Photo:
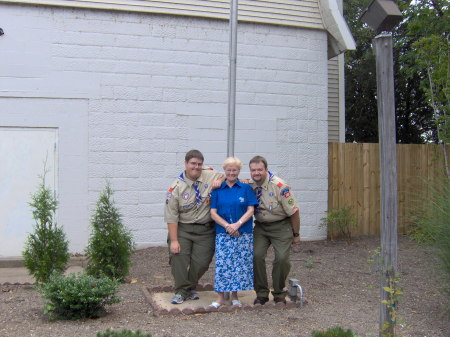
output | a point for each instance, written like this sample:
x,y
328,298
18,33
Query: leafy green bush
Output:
x,y
46,250
333,332
432,226
110,244
78,295
123,333
340,221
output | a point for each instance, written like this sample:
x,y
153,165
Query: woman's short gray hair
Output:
x,y
232,161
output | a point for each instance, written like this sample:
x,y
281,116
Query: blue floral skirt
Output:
x,y
234,262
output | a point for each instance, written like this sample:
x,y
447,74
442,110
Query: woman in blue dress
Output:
x,y
232,208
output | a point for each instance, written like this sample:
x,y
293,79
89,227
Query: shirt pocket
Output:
x,y
186,205
273,206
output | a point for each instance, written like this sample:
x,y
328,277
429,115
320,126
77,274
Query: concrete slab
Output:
x,y
19,275
159,300
12,270
162,299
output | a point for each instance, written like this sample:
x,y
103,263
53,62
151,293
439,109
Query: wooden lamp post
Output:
x,y
383,16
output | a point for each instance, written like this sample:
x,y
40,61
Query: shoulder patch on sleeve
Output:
x,y
285,192
169,192
173,186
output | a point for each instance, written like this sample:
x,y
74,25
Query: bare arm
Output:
x,y
248,214
173,237
217,218
244,218
295,223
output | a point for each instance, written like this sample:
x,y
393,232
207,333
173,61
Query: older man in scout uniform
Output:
x,y
277,224
191,232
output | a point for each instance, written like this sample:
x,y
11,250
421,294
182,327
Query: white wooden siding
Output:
x,y
333,100
298,13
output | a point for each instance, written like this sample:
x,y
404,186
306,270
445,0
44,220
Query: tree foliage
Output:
x,y
431,226
46,249
111,243
415,117
428,29
78,296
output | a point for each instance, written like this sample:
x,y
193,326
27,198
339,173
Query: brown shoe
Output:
x,y
261,300
280,300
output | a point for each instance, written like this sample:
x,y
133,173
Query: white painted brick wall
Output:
x,y
157,87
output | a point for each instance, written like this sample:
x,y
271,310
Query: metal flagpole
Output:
x,y
232,85
232,77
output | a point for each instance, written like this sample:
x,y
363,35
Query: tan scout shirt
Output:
x,y
277,200
180,199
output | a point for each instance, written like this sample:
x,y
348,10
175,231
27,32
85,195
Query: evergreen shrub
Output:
x,y
78,295
46,249
110,244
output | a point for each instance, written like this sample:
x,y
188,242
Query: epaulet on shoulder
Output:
x,y
173,185
278,182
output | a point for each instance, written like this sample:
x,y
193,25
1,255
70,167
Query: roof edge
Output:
x,y
340,38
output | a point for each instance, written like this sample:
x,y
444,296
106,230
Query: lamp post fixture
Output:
x,y
382,16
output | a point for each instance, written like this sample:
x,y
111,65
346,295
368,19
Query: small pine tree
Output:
x,y
46,250
78,296
110,244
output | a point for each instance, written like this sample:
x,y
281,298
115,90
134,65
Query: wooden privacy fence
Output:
x,y
354,180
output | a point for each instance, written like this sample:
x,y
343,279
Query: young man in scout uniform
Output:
x,y
277,224
191,232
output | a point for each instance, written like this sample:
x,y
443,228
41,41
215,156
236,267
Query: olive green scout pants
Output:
x,y
197,250
279,235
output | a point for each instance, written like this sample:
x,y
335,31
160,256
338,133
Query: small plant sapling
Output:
x,y
111,243
340,222
46,249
